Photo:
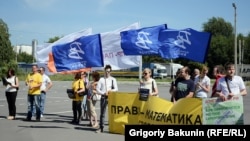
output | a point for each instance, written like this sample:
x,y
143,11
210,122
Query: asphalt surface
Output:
x,y
58,113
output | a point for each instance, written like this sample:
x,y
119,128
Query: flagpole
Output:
x,y
140,66
171,71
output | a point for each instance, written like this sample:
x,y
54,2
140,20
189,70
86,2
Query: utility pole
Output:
x,y
235,41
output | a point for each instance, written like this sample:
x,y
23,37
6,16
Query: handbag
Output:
x,y
96,97
70,93
17,88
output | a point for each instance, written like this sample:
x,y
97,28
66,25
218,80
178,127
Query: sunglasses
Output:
x,y
145,73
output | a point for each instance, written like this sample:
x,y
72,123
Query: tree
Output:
x,y
6,51
24,57
52,40
7,54
222,42
246,49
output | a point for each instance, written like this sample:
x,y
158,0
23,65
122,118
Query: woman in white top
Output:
x,y
11,82
149,83
202,84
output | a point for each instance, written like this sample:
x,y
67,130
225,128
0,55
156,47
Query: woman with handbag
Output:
x,y
147,82
78,88
11,82
92,98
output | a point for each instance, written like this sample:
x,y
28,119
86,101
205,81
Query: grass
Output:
x,y
70,77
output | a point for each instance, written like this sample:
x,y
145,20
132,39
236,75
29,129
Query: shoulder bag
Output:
x,y
81,93
228,85
70,93
17,88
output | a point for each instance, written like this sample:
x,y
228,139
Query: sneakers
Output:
x,y
100,130
95,125
10,117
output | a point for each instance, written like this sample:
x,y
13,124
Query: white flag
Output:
x,y
113,53
42,51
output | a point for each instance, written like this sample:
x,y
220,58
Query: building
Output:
x,y
26,48
23,48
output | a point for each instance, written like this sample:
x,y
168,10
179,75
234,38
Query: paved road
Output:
x,y
55,123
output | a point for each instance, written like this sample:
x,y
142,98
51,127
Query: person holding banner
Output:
x,y
218,72
149,83
202,84
105,86
230,85
184,87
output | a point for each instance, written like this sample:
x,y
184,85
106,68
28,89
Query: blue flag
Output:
x,y
143,41
187,43
84,52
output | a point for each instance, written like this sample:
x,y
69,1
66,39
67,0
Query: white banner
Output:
x,y
113,53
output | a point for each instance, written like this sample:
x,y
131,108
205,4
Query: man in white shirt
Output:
x,y
230,85
46,85
105,85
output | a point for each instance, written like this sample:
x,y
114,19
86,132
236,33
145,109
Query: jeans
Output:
x,y
34,102
103,106
84,105
43,98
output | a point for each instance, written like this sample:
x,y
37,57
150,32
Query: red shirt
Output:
x,y
215,83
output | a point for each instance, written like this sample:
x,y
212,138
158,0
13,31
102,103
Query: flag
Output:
x,y
142,41
113,53
186,43
42,51
84,52
42,54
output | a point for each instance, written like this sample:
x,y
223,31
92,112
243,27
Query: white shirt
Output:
x,y
149,84
236,85
12,81
46,80
199,92
105,84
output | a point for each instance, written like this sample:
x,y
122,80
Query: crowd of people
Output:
x,y
87,93
198,85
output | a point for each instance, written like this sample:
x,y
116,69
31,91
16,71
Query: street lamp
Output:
x,y
235,41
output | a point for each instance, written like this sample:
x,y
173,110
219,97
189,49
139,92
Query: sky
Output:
x,y
41,20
